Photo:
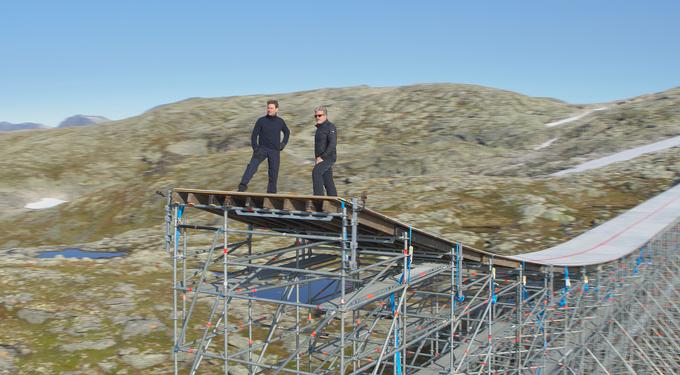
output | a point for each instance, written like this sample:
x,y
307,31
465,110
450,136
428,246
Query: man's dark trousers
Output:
x,y
273,158
322,175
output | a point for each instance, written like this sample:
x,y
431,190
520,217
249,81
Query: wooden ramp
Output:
x,y
281,212
286,212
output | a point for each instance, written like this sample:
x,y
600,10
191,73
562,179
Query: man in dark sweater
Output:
x,y
266,143
325,140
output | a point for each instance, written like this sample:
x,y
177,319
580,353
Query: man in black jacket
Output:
x,y
325,140
266,143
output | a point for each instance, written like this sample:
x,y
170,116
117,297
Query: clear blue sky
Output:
x,y
119,58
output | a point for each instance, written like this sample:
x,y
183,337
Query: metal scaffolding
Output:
x,y
305,285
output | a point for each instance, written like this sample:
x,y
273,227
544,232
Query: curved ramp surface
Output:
x,y
615,238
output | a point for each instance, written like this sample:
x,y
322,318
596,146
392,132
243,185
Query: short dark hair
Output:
x,y
272,101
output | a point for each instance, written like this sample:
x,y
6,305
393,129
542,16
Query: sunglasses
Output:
x,y
319,115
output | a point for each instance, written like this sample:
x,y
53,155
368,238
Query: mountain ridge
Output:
x,y
8,126
82,120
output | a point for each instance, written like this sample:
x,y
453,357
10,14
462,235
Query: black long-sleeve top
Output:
x,y
267,133
325,141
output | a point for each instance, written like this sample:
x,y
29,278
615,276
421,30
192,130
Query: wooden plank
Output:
x,y
500,262
288,204
238,201
418,238
231,202
249,202
201,198
267,203
295,204
376,224
216,200
191,199
256,202
261,195
273,203
330,207
310,205
179,198
471,255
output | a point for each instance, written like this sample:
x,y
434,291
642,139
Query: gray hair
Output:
x,y
321,109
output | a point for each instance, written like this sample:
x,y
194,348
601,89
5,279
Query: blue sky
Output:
x,y
119,58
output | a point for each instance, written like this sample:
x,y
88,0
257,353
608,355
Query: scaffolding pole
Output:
x,y
291,292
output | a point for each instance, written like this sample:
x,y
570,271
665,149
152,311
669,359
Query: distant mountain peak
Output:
x,y
82,120
8,126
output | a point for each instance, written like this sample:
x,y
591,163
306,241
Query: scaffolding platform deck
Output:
x,y
380,289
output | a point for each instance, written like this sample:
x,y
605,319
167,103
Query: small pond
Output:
x,y
78,253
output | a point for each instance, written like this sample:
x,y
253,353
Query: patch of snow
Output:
x,y
622,156
573,118
545,144
44,203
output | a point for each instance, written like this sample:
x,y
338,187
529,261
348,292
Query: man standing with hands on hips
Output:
x,y
325,141
266,143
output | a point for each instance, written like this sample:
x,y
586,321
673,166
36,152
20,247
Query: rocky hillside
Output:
x,y
467,161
